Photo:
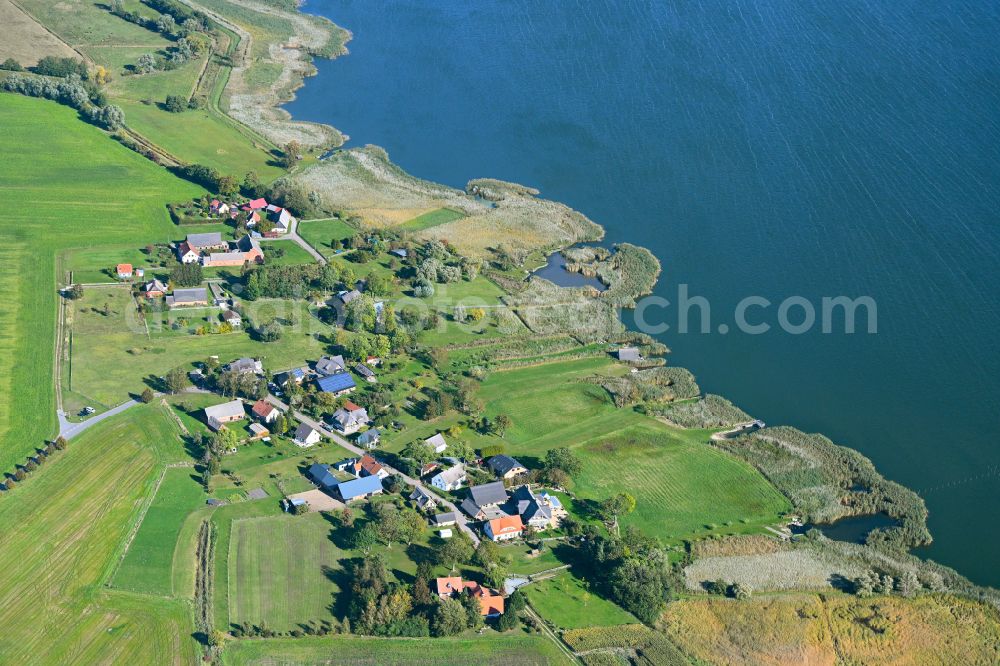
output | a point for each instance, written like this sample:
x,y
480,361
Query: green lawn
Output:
x,y
683,487
565,601
64,531
490,649
320,233
118,198
147,566
277,570
291,253
431,219
113,356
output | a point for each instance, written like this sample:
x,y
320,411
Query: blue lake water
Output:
x,y
761,147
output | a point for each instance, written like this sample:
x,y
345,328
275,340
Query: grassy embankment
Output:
x,y
73,187
519,649
64,532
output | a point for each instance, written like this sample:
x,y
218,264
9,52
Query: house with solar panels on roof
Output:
x,y
339,384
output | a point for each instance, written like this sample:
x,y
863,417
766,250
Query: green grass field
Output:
x,y
431,219
44,145
490,650
292,253
148,564
64,530
203,137
113,356
277,570
319,233
683,487
565,601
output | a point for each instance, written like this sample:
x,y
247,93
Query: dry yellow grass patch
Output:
x,y
809,629
936,629
776,630
389,217
25,40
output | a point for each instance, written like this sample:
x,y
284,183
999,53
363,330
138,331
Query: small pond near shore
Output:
x,y
555,271
853,529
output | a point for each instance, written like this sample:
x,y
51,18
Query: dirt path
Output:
x,y
551,634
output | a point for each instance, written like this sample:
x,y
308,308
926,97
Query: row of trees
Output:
x,y
33,462
71,92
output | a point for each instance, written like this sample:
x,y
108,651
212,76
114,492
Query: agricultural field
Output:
x,y
287,569
90,27
34,42
565,601
70,208
431,219
490,650
795,629
683,486
148,563
278,571
82,505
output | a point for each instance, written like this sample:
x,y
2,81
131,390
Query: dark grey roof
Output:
x,y
442,518
303,431
488,493
329,365
190,295
205,240
524,503
502,464
469,507
349,296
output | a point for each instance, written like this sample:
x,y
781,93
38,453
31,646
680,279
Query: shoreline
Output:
x,y
301,82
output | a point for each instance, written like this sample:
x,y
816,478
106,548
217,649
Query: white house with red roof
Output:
x,y
265,411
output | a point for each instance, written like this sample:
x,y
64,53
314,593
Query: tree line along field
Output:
x,y
118,198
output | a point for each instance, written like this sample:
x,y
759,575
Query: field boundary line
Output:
x,y
551,635
135,528
44,27
180,425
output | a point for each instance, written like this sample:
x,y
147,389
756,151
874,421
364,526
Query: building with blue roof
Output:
x,y
366,486
322,476
337,384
